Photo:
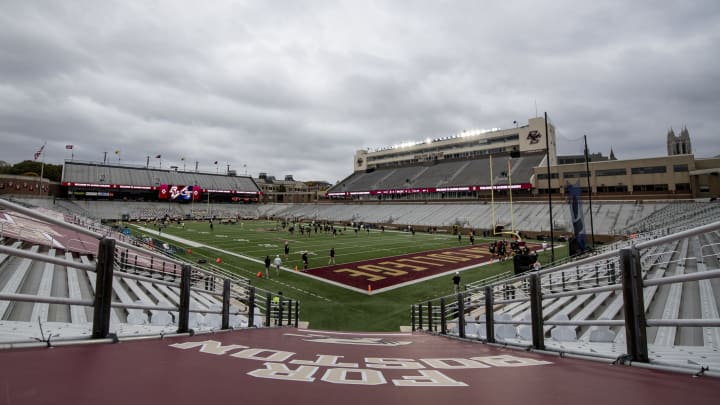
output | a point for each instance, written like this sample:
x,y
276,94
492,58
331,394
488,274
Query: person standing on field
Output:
x,y
267,266
332,256
277,263
305,261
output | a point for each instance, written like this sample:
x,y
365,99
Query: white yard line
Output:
x,y
198,245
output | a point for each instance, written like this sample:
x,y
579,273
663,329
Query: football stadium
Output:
x,y
477,267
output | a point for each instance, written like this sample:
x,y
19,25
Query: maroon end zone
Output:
x,y
395,271
291,366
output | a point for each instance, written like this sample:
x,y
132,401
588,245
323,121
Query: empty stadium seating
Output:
x,y
450,173
587,296
48,293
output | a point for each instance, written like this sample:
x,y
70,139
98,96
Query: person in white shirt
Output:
x,y
277,262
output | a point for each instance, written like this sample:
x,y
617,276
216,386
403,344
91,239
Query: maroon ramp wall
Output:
x,y
274,366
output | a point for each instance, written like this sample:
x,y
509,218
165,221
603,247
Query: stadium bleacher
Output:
x,y
451,173
583,305
93,173
48,293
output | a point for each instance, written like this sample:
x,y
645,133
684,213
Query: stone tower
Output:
x,y
679,145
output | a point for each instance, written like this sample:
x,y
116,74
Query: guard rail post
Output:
x,y
251,307
420,317
268,309
536,315
226,305
412,317
634,305
281,303
184,309
443,318
430,316
297,313
489,315
461,314
103,288
289,312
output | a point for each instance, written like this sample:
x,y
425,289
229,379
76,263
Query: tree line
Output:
x,y
33,168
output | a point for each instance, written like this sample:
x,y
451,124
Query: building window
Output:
x,y
612,189
680,168
574,175
649,170
682,187
650,187
543,176
611,172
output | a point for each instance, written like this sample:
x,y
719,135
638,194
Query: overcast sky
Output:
x,y
296,87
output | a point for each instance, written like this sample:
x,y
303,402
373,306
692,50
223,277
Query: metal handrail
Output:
x,y
107,263
44,258
631,280
85,231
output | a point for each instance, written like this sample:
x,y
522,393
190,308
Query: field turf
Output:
x,y
323,305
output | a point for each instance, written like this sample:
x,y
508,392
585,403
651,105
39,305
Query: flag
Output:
x,y
68,146
39,152
158,156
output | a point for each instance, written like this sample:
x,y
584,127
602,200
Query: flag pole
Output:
x,y
512,216
42,168
492,196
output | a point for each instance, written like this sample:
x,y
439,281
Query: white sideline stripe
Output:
x,y
175,238
345,286
197,245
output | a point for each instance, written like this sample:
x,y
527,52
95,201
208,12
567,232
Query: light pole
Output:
x,y
547,151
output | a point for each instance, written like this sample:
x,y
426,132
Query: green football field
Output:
x,y
323,305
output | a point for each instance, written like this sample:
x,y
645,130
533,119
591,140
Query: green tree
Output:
x,y
33,168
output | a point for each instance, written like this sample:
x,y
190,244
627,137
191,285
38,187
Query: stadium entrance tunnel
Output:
x,y
288,365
